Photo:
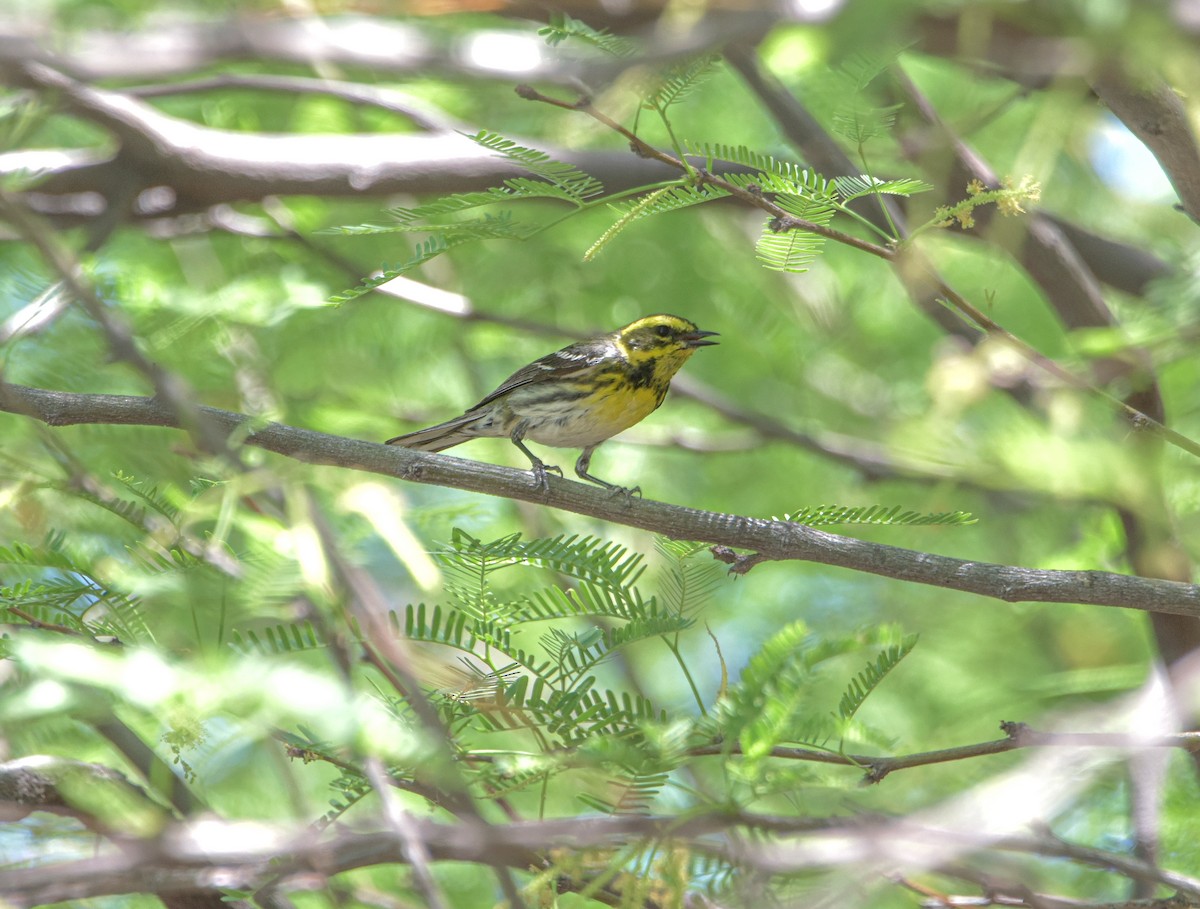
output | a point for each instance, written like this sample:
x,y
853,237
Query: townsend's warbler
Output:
x,y
578,396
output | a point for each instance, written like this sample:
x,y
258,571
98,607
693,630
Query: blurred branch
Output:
x,y
1143,102
422,115
376,43
1054,265
167,167
387,653
189,857
769,540
44,783
1155,114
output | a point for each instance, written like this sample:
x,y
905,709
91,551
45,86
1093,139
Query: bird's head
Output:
x,y
662,334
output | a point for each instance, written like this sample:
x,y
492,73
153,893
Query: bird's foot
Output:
x,y
613,489
627,491
539,471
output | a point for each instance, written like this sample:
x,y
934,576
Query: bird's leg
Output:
x,y
581,471
538,468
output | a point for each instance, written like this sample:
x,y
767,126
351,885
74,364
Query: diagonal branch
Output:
x,y
909,262
768,539
1154,113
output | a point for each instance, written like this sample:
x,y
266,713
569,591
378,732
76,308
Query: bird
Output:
x,y
577,397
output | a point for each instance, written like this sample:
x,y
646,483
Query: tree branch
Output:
x,y
771,540
1018,736
1156,115
183,862
202,166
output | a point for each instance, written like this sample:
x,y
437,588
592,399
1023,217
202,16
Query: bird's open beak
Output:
x,y
696,338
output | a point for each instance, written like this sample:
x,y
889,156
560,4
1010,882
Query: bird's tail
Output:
x,y
444,435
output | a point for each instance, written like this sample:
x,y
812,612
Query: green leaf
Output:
x,y
274,640
790,250
679,81
563,27
869,679
856,117
692,574
148,494
444,238
668,198
632,794
851,188
800,179
822,515
572,181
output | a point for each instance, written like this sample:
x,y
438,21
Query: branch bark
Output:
x,y
200,167
180,862
1156,115
769,540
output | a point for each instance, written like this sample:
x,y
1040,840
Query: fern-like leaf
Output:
x,y
850,188
427,250
512,190
766,706
574,655
822,515
570,179
563,27
856,117
679,81
668,198
49,555
771,703
100,608
608,571
573,717
274,640
791,250
692,575
868,679
584,599
798,176
443,239
629,795
150,495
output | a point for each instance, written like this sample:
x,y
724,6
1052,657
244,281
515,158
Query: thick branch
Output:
x,y
770,540
1156,115
376,44
202,167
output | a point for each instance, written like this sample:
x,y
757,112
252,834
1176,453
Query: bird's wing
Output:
x,y
559,365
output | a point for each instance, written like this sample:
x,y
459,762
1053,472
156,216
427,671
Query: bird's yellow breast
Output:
x,y
609,407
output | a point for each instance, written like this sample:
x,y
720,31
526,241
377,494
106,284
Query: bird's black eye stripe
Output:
x,y
663,331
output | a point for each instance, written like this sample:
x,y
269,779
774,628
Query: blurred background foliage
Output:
x,y
235,302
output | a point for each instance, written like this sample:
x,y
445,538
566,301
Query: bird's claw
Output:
x,y
539,471
627,491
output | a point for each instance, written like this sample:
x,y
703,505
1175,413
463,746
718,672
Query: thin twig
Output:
x,y
1019,736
